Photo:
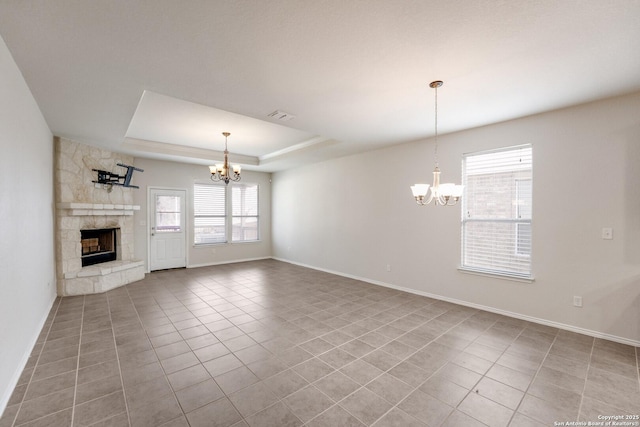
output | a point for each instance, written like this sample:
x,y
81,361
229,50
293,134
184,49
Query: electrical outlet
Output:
x,y
607,233
577,301
388,267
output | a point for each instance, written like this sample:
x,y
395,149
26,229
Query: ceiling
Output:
x,y
162,79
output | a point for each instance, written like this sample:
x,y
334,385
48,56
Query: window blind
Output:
x,y
209,216
244,207
497,211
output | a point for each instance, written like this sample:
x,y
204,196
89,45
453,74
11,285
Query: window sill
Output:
x,y
207,245
504,276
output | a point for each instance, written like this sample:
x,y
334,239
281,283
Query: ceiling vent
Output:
x,y
282,116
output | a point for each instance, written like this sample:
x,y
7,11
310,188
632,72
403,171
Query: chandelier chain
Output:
x,y
436,125
226,136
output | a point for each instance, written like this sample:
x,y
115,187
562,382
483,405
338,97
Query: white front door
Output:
x,y
167,241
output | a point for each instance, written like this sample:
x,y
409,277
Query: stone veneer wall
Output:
x,y
81,204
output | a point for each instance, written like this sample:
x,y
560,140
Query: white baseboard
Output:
x,y
8,391
571,328
209,264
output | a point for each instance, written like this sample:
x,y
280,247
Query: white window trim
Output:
x,y
504,275
228,218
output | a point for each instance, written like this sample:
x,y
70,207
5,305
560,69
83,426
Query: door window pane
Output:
x,y
168,214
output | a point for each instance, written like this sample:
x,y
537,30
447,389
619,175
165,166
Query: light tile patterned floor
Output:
x,y
267,343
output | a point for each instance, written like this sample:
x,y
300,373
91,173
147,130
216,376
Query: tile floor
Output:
x,y
267,343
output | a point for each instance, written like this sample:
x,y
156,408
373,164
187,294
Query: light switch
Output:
x,y
607,233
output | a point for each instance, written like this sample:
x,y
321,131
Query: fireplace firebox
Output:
x,y
98,246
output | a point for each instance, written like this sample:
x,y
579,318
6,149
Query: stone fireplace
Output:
x,y
90,259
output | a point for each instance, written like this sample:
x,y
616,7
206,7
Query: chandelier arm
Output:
x,y
430,199
452,201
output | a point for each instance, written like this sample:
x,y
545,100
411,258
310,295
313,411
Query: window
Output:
x,y
214,205
244,200
209,214
497,212
167,214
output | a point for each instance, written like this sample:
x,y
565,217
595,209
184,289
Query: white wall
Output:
x,y
27,269
164,174
355,215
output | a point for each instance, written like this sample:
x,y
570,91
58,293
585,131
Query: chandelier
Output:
x,y
441,194
221,171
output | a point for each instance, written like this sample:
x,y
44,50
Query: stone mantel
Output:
x,y
97,209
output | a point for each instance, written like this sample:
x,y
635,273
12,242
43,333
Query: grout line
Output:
x,y
533,379
593,345
638,365
75,387
115,344
52,313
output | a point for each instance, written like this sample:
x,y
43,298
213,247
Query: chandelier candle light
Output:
x,y
221,171
441,194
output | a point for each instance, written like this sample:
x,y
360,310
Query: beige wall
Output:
x,y
355,216
173,175
27,269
